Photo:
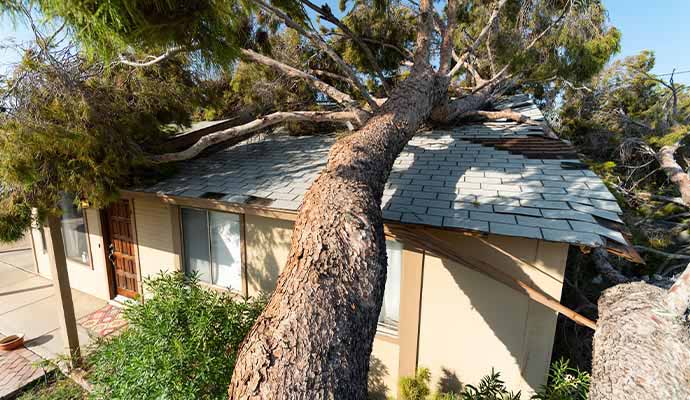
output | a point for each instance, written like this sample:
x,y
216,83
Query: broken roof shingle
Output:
x,y
459,178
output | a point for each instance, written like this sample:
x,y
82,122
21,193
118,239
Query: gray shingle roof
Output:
x,y
443,178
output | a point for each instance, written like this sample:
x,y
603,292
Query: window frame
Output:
x,y
87,234
183,262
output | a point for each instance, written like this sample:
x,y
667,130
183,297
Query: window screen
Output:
x,y
212,247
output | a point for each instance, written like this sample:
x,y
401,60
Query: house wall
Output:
x,y
470,323
88,279
456,321
154,230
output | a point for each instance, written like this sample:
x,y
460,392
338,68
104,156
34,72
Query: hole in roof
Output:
x,y
213,195
258,201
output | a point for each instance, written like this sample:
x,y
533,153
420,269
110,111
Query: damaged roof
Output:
x,y
502,178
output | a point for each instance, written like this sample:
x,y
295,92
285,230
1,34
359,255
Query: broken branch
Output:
x,y
253,126
321,44
512,116
327,14
340,97
676,174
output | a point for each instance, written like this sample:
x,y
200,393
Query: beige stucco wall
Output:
x,y
88,279
471,323
383,369
154,229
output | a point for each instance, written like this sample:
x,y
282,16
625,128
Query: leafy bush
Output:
x,y
180,344
416,387
491,387
565,383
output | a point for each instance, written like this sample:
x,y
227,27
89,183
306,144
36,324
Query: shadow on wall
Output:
x,y
378,390
448,382
268,244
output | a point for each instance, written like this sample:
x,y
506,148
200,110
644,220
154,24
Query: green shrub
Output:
x,y
416,387
491,387
565,383
180,344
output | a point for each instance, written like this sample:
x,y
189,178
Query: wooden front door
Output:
x,y
121,249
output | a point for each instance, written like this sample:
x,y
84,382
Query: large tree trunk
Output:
x,y
642,343
314,338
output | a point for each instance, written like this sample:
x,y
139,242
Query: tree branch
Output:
x,y
151,59
662,253
534,41
424,34
340,97
676,174
601,262
447,38
327,14
678,297
253,126
321,44
510,115
470,49
478,80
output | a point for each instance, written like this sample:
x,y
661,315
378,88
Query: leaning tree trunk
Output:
x,y
642,343
314,339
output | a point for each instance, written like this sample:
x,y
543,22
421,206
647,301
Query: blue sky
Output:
x,y
660,25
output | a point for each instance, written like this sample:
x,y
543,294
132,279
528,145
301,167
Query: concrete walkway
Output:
x,y
27,305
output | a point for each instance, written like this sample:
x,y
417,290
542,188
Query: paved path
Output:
x,y
27,305
17,370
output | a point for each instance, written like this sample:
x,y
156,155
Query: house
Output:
x,y
505,199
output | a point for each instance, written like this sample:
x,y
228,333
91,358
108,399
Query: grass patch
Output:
x,y
55,387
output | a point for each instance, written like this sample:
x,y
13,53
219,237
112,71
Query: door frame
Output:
x,y
105,228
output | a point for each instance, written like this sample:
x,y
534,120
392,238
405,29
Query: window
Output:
x,y
74,233
390,310
212,247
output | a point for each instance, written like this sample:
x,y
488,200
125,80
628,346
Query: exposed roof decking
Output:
x,y
443,178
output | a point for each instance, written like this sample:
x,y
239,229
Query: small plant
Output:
x,y
491,387
565,383
416,387
180,344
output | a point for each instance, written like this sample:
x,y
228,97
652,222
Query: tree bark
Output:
x,y
667,160
642,343
314,338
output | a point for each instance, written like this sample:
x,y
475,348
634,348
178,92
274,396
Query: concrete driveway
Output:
x,y
27,305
